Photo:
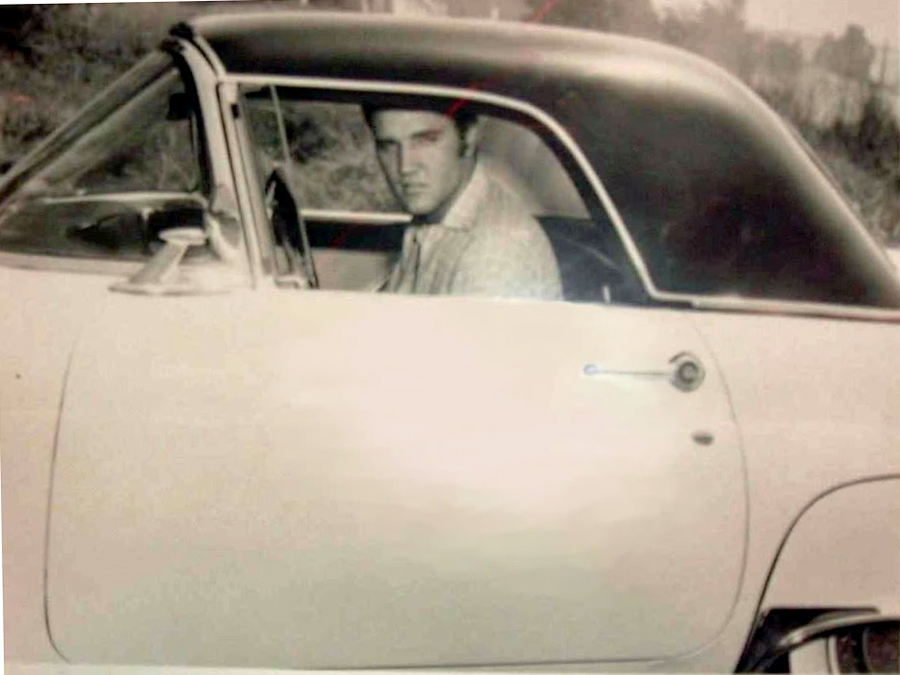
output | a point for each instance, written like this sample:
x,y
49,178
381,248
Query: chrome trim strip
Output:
x,y
215,133
226,95
832,658
820,628
258,223
829,624
787,307
374,218
532,111
65,263
208,53
120,197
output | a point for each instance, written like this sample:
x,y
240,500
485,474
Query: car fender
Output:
x,y
842,550
836,571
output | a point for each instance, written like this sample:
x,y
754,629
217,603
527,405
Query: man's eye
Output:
x,y
429,136
384,146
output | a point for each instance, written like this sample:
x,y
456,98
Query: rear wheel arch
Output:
x,y
839,557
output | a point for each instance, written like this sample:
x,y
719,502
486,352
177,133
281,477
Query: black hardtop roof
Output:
x,y
452,52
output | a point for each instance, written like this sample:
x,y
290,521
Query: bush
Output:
x,y
873,143
54,58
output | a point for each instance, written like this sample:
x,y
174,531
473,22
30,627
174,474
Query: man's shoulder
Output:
x,y
501,209
507,251
502,216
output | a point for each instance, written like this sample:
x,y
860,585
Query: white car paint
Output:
x,y
301,436
774,452
894,257
34,354
814,414
857,530
376,444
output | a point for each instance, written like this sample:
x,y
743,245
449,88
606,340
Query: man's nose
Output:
x,y
408,159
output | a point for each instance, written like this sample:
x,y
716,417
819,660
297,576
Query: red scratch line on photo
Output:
x,y
539,14
542,11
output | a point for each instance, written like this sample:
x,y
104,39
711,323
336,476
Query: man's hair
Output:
x,y
455,110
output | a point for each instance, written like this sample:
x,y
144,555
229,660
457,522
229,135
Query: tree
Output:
x,y
18,23
718,31
782,57
851,55
631,17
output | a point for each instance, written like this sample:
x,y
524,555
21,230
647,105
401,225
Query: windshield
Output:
x,y
106,184
138,135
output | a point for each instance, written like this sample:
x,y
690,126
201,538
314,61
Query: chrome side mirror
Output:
x,y
160,276
223,226
221,234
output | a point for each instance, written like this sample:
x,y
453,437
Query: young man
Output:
x,y
469,236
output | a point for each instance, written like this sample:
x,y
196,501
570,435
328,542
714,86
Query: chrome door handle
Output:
x,y
686,372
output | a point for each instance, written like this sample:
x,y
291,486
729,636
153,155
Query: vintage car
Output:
x,y
223,447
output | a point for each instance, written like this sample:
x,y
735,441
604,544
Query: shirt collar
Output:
x,y
463,211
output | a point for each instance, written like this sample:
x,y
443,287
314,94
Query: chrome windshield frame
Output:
x,y
150,68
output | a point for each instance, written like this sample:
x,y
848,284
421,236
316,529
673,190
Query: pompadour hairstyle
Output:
x,y
455,110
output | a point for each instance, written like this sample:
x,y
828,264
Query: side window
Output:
x,y
426,196
329,148
108,190
721,207
750,240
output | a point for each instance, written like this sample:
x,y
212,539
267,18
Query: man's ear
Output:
x,y
470,139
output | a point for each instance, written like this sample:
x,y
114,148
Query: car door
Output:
x,y
288,477
78,215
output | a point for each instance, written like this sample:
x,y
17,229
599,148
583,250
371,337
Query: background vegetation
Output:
x,y
835,90
838,92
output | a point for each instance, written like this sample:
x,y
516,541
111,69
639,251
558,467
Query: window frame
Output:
x,y
572,160
587,177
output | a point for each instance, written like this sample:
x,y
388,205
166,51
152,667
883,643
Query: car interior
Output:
x,y
354,247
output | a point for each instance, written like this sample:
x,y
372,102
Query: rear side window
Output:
x,y
724,205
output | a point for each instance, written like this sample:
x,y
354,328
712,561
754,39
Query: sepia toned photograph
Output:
x,y
545,336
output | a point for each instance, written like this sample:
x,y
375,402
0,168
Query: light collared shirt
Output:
x,y
487,244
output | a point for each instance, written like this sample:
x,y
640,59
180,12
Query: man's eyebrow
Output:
x,y
431,133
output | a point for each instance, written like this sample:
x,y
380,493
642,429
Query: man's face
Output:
x,y
422,155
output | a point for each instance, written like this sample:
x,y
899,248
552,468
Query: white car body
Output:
x,y
269,478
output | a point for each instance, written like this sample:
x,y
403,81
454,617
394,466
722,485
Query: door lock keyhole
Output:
x,y
687,372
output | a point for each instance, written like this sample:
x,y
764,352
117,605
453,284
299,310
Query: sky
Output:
x,y
880,18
